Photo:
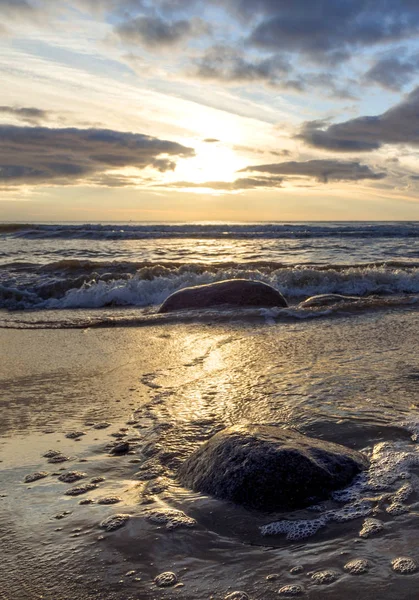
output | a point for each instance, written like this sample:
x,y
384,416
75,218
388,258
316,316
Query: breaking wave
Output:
x,y
89,284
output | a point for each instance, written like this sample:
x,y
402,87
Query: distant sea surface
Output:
x,y
111,265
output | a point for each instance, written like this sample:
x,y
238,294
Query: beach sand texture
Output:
x,y
164,390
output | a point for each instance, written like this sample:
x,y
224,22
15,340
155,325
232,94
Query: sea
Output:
x,y
96,267
89,362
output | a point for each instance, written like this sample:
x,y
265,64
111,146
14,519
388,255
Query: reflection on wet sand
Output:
x,y
161,392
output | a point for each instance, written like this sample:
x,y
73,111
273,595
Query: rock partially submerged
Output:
x,y
327,300
269,468
233,292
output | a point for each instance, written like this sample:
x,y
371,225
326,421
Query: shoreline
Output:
x,y
177,381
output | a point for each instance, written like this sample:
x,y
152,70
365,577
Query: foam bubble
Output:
x,y
302,528
297,569
371,527
295,530
166,579
81,489
357,566
97,479
71,476
395,508
237,596
403,493
102,425
35,476
51,453
114,522
74,435
58,458
291,590
109,500
404,565
324,577
170,517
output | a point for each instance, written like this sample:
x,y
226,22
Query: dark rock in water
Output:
x,y
269,468
233,292
327,300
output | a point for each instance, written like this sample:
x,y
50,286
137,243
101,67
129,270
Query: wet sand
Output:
x,y
164,390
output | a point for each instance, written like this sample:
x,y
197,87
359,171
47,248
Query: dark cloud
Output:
x,y
155,33
16,6
235,66
42,155
26,114
223,63
211,140
243,183
393,72
327,30
322,170
398,125
129,8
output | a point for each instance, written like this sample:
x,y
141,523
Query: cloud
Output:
x,y
211,140
398,125
392,72
243,183
31,155
327,31
26,114
322,170
16,7
156,33
226,64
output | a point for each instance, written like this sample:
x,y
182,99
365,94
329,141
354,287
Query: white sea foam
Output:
x,y
391,463
151,288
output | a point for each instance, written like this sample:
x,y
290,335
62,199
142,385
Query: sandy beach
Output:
x,y
166,389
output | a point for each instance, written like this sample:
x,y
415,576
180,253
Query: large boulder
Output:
x,y
233,292
269,468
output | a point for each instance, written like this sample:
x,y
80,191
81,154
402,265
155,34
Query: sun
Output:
x,y
213,162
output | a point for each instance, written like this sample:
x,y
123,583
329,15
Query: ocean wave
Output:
x,y
210,231
88,286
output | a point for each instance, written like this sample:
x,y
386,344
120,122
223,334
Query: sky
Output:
x,y
187,110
